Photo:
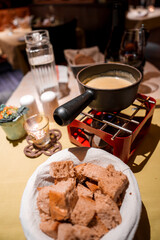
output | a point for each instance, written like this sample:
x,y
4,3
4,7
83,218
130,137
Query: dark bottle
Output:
x,y
117,30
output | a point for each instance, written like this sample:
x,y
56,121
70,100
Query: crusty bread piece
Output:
x,y
98,227
43,199
84,233
62,199
83,191
113,183
49,227
65,232
44,216
107,210
70,202
93,187
83,212
68,232
78,172
61,170
89,170
112,172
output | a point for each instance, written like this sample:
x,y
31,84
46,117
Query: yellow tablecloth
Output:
x,y
145,164
16,168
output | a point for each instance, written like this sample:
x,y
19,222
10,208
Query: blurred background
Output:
x,y
73,24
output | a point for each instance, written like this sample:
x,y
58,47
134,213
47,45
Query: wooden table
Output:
x,y
13,46
16,168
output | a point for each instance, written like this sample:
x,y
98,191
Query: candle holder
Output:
x,y
37,126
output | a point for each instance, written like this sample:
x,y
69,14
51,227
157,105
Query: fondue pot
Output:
x,y
106,100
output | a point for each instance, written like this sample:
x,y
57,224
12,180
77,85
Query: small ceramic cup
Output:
x,y
14,130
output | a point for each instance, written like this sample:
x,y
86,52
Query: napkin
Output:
x,y
92,52
130,209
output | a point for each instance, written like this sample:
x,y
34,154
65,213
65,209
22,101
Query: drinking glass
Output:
x,y
41,58
37,127
131,49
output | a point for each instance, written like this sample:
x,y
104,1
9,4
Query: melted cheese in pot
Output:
x,y
108,82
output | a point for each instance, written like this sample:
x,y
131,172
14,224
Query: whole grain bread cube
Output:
x,y
83,191
97,226
78,172
89,170
62,170
77,232
112,172
65,232
43,199
49,227
62,199
44,216
113,183
84,233
107,210
93,187
83,212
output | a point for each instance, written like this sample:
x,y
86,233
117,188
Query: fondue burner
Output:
x,y
116,132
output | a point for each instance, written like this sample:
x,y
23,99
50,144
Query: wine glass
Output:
x,y
131,48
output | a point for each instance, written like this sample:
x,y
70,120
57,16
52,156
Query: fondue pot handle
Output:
x,y
66,113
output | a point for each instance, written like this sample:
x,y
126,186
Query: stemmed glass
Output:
x,y
131,49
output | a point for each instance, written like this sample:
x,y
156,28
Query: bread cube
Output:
x,y
49,227
113,183
97,226
107,210
83,212
83,191
43,199
89,170
93,187
68,232
62,170
62,199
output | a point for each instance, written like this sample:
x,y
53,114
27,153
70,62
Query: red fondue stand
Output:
x,y
117,133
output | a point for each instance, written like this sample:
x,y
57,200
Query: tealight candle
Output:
x,y
37,126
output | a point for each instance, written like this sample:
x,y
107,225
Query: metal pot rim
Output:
x,y
109,64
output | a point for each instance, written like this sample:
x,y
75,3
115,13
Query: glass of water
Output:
x,y
41,59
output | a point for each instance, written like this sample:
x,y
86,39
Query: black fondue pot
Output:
x,y
106,100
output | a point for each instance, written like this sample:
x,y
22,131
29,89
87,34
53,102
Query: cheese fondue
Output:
x,y
108,82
